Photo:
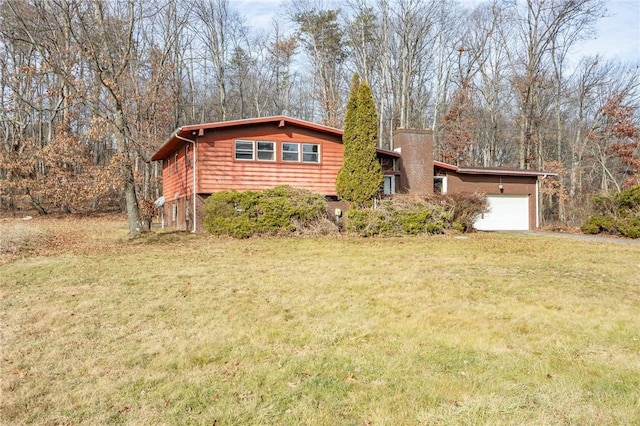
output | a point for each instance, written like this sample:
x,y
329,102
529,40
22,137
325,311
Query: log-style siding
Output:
x,y
176,184
218,169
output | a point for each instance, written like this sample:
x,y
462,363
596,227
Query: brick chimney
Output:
x,y
416,160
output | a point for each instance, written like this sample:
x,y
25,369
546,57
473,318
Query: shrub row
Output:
x,y
286,210
281,210
617,213
412,215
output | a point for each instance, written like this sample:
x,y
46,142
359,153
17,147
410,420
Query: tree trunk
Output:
x,y
130,195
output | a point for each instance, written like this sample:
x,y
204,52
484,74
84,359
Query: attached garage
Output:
x,y
506,213
512,194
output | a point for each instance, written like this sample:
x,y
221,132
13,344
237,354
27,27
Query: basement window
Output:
x,y
440,184
389,185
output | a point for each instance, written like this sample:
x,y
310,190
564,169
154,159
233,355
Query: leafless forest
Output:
x,y
91,88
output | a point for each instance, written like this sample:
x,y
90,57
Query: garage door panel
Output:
x,y
506,213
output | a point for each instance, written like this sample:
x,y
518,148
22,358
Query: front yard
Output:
x,y
190,329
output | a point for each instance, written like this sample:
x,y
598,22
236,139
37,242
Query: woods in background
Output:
x,y
90,89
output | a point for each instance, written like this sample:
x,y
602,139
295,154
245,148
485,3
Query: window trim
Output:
x,y
272,151
246,151
297,152
317,154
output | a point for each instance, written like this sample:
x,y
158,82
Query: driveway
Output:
x,y
586,237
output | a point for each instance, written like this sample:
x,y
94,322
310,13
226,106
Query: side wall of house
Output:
x,y
177,187
490,185
218,169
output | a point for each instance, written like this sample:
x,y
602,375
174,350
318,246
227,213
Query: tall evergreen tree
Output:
x,y
360,177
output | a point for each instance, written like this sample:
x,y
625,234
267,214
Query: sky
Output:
x,y
617,32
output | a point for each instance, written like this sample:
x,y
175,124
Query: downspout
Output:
x,y
177,136
537,204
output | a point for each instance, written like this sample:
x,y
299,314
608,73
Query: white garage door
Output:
x,y
506,213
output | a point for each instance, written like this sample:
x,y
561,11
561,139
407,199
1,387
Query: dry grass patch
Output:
x,y
183,329
18,237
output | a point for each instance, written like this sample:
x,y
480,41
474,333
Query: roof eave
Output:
x,y
387,152
500,172
162,152
282,120
529,173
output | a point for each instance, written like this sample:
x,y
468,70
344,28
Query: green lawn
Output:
x,y
446,330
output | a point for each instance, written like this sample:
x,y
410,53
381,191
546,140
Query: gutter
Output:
x,y
177,136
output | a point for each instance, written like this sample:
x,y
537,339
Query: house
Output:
x,y
512,194
250,154
260,153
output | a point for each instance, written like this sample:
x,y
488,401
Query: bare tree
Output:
x,y
322,37
212,32
540,23
281,50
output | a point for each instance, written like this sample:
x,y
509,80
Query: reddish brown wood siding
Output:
x,y
218,170
177,187
177,184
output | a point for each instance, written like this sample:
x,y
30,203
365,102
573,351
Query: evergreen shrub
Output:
x,y
280,210
617,213
404,215
359,179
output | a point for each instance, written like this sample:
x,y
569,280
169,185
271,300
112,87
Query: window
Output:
x,y
266,151
244,150
440,184
186,156
389,185
290,151
175,162
168,166
310,153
